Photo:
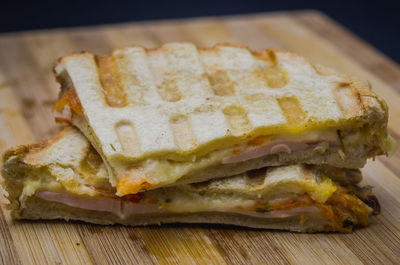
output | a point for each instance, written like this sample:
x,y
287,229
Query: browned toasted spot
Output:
x,y
128,80
168,88
221,84
367,98
109,78
266,55
62,120
259,141
273,76
183,134
348,99
345,83
258,101
272,56
292,110
271,72
128,138
237,119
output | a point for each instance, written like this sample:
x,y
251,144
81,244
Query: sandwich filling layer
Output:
x,y
349,147
333,205
77,178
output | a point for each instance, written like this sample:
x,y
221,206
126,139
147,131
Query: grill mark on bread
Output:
x,y
182,73
136,75
271,73
237,119
189,70
292,110
128,78
220,83
267,55
168,88
348,99
183,135
109,79
273,76
165,74
128,138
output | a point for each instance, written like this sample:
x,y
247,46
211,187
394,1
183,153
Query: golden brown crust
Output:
x,y
23,150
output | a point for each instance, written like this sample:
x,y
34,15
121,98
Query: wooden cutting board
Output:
x,y
28,90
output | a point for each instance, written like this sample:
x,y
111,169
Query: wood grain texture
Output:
x,y
28,91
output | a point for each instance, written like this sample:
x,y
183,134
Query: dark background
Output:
x,y
377,22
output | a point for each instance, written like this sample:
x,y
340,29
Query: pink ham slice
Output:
x,y
286,144
125,208
117,206
269,149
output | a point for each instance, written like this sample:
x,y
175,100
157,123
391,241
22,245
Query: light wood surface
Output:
x,y
28,91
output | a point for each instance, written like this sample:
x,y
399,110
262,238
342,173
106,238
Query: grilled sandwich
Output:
x,y
65,178
178,114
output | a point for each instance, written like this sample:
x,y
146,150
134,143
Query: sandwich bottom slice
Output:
x,y
65,178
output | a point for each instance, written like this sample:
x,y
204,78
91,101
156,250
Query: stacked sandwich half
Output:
x,y
226,135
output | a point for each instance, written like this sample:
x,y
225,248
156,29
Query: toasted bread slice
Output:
x,y
178,114
65,178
